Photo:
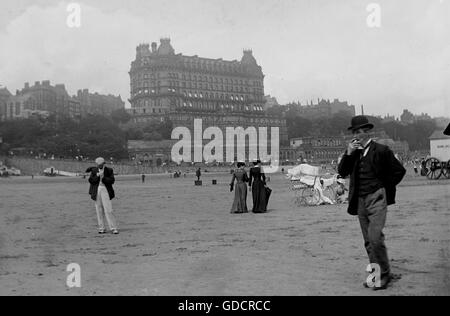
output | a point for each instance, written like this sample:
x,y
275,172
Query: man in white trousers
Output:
x,y
102,192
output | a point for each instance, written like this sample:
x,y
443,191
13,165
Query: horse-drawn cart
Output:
x,y
438,164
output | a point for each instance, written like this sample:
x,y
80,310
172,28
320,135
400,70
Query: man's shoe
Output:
x,y
384,283
115,231
102,231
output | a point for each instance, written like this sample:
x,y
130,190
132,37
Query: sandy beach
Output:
x,y
178,239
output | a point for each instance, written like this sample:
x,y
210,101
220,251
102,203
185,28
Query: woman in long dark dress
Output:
x,y
257,182
240,195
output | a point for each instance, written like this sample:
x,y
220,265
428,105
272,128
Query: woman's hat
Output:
x,y
360,121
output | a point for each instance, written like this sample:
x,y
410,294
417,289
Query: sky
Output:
x,y
307,49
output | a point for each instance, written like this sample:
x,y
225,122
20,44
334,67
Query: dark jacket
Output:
x,y
108,180
387,169
256,174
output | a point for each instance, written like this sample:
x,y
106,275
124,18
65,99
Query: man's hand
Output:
x,y
353,145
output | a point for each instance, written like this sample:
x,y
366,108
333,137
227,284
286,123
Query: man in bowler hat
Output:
x,y
374,174
101,190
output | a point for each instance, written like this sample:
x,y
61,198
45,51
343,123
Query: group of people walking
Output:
x,y
257,184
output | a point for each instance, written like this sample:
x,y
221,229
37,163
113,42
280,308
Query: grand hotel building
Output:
x,y
166,85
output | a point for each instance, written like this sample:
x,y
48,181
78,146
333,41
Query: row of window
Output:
x,y
326,143
147,103
231,121
288,155
204,86
197,78
323,154
204,65
146,111
225,107
216,96
199,95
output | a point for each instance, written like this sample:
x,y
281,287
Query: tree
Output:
x,y
120,116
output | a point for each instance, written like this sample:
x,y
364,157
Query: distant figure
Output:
x,y
423,167
143,178
198,173
102,192
240,195
32,176
257,182
415,168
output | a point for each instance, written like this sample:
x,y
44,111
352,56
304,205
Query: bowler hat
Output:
x,y
360,121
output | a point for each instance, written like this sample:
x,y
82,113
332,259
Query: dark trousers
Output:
x,y
372,210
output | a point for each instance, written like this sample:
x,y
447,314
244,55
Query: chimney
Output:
x,y
154,47
362,109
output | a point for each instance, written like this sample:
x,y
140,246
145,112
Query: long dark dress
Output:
x,y
240,191
257,182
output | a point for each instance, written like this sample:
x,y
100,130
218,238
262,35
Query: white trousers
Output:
x,y
104,209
